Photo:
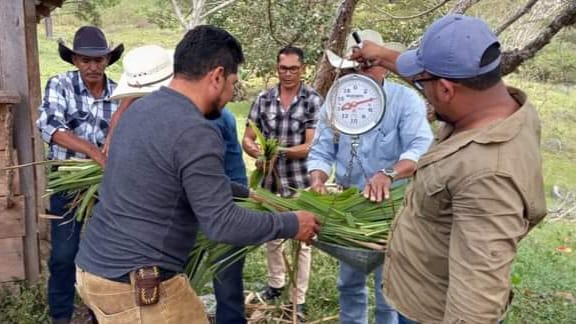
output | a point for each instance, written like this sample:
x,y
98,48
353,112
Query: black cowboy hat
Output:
x,y
90,41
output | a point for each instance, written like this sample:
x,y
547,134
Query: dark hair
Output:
x,y
291,50
205,48
488,79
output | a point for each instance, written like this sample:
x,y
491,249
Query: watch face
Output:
x,y
356,104
390,172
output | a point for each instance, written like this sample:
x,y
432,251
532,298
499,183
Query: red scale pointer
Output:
x,y
353,104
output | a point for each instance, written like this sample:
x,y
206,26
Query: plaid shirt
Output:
x,y
68,105
289,127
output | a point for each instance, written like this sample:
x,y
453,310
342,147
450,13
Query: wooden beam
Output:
x,y
15,19
9,97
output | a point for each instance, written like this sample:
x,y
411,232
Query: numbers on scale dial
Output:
x,y
356,105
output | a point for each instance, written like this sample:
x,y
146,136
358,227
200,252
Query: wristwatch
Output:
x,y
390,173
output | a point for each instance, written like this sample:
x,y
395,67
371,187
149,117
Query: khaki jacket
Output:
x,y
474,196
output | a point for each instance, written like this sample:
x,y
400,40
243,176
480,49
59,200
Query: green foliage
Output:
x,y
26,304
555,63
546,278
162,14
403,31
90,11
263,30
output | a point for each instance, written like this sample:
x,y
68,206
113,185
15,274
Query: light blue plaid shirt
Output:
x,y
68,105
403,134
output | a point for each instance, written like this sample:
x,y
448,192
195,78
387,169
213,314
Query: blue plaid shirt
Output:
x,y
69,105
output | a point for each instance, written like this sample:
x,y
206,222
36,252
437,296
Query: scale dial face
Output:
x,y
356,104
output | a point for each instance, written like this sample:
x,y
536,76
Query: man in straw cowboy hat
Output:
x,y
388,153
164,181
476,193
146,69
74,119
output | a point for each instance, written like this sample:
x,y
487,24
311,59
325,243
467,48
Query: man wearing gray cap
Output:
x,y
476,193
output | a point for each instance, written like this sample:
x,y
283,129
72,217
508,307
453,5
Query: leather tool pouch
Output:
x,y
147,286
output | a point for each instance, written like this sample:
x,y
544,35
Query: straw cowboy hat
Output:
x,y
371,35
90,41
146,69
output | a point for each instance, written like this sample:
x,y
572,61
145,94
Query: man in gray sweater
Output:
x,y
164,181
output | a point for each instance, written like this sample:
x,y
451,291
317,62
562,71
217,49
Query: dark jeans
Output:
x,y
404,320
229,292
65,235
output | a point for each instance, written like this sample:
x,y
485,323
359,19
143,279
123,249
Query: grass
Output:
x,y
544,279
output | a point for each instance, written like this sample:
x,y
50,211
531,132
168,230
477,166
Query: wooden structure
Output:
x,y
20,190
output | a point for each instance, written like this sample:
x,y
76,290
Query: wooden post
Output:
x,y
34,100
16,74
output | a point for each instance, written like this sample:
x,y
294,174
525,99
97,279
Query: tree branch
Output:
x,y
514,58
325,73
178,13
271,25
424,13
521,12
218,7
462,6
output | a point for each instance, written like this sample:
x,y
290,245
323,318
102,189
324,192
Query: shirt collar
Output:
x,y
108,88
275,92
497,132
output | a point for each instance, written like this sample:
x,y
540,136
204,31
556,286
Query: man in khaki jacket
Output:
x,y
479,189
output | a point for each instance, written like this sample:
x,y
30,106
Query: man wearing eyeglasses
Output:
x,y
286,112
476,193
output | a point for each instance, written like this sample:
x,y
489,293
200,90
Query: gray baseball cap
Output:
x,y
452,47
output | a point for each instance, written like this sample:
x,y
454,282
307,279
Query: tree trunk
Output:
x,y
48,27
511,60
325,73
462,6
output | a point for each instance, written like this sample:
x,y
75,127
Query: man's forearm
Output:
x,y
298,152
388,58
405,169
74,143
249,145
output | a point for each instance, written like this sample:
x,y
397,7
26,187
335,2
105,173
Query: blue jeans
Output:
x,y
354,297
229,292
404,320
65,235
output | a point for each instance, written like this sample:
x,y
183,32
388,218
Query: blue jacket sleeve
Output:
x,y
322,153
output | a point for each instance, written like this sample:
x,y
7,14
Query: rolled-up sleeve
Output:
x,y
415,133
322,152
488,224
52,111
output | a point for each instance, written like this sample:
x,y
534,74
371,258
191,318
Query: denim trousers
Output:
x,y
404,320
354,297
229,293
65,236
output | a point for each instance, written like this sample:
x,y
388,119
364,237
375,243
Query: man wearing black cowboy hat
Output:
x,y
74,120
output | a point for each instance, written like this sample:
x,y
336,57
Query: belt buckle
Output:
x,y
147,285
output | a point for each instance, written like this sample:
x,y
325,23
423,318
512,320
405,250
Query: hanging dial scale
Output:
x,y
355,105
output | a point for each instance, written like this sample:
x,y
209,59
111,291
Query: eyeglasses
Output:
x,y
289,69
418,83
